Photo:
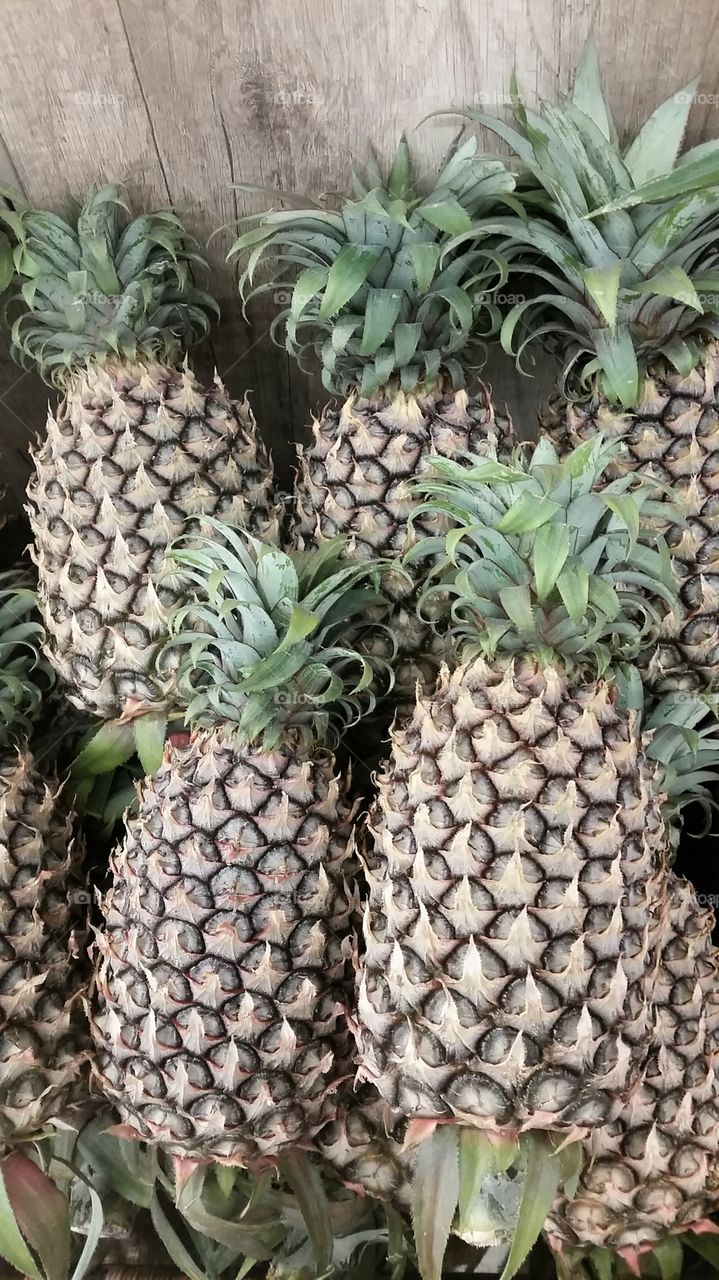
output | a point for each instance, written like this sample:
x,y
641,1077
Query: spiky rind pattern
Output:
x,y
515,896
364,1148
354,480
654,1171
43,1041
674,435
133,453
222,967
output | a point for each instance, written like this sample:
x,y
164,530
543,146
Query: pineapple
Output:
x,y
655,1169
515,862
622,239
136,446
42,1039
393,300
516,851
223,962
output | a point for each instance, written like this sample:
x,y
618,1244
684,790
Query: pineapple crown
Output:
x,y
620,239
387,299
536,559
89,290
265,646
25,677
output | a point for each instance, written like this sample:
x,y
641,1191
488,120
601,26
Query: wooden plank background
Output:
x,y
179,98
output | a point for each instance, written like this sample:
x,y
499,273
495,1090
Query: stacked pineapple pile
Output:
x,y
489,1001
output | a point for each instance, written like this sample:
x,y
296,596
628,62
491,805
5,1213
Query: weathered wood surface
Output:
x,y
179,98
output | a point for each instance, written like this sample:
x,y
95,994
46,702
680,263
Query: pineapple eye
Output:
x,y
479,1094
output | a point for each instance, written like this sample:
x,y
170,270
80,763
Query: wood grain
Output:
x,y
182,98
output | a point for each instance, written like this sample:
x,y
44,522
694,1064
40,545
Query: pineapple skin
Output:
x,y
364,1148
43,1036
353,478
516,891
353,481
674,435
655,1170
222,970
134,451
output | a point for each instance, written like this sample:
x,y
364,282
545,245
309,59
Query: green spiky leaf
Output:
x,y
653,153
549,554
707,1246
592,582
383,308
347,274
88,289
573,587
109,747
177,1250
41,1212
695,175
393,289
479,1155
268,645
669,1256
307,1186
150,731
602,1263
618,300
587,94
435,1194
401,178
447,215
542,1179
671,282
7,264
603,284
617,360
25,677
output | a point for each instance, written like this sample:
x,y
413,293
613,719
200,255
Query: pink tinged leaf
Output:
x,y
631,1257
124,1131
41,1213
184,1169
418,1131
12,1246
435,1194
132,708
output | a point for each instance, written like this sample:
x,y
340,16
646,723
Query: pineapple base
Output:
x,y
654,1171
